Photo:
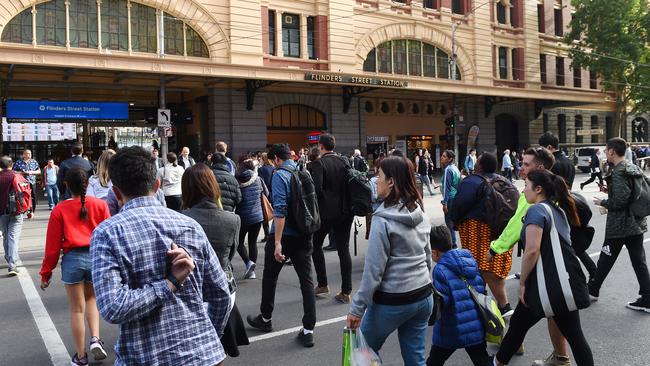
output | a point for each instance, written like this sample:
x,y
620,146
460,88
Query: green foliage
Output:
x,y
610,38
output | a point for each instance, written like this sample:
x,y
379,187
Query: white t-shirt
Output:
x,y
170,179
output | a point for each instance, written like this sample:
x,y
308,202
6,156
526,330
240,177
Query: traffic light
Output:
x,y
453,122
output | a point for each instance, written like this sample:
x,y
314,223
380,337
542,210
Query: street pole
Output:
x,y
452,63
164,148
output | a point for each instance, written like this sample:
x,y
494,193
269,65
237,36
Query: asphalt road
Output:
x,y
34,334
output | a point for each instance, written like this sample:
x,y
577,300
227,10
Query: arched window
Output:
x,y
295,117
112,17
409,57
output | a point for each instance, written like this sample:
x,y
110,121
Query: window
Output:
x,y
430,4
501,13
311,31
115,33
561,127
559,71
559,25
578,127
83,21
291,35
399,57
593,80
295,117
577,77
541,22
143,28
542,67
503,63
457,7
271,32
594,126
370,64
409,57
50,23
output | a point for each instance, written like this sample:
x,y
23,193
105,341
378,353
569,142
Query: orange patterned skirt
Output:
x,y
475,236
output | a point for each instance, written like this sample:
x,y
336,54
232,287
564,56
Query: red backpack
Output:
x,y
20,196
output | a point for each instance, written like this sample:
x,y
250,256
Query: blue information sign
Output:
x,y
48,111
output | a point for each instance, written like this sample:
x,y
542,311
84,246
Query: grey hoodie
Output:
x,y
398,259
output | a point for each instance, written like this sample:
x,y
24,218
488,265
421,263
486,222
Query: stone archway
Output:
x,y
190,11
419,32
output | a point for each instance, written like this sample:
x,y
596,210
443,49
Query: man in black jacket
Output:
x,y
76,161
230,193
329,173
563,166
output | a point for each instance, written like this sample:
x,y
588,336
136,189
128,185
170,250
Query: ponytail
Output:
x,y
555,189
76,180
173,159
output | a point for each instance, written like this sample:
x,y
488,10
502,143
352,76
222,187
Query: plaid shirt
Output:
x,y
157,326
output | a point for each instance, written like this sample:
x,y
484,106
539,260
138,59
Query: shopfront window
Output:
x,y
295,117
409,57
113,19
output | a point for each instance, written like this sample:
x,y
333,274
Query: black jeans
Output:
x,y
252,231
588,263
299,250
477,353
609,253
342,234
174,202
593,178
34,201
569,323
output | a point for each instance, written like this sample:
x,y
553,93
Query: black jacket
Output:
x,y
230,193
564,168
73,162
329,174
182,163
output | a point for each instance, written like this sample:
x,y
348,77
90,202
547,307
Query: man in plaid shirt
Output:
x,y
156,275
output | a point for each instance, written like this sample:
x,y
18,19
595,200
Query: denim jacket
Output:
x,y
280,196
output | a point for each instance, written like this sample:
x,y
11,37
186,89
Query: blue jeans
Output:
x,y
52,195
11,226
411,322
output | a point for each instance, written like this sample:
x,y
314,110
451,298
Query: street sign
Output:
x,y
164,118
593,131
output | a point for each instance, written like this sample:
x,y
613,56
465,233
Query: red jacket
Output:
x,y
66,230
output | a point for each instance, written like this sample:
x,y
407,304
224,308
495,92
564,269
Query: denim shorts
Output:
x,y
75,266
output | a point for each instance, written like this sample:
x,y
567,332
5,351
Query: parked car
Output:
x,y
583,157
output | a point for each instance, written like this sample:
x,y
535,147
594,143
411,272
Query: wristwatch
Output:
x,y
171,278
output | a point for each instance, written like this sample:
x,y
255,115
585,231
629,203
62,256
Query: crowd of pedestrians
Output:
x,y
148,244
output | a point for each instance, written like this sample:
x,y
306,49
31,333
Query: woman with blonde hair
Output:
x,y
100,183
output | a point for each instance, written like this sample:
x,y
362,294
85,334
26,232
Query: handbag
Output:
x,y
436,313
267,209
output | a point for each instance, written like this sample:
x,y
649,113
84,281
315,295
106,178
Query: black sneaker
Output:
x,y
13,271
593,292
307,340
259,323
76,361
97,349
640,304
506,311
518,275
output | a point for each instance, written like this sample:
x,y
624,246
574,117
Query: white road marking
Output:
x,y
53,342
342,318
294,329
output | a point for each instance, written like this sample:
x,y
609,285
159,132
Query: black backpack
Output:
x,y
501,200
303,205
358,191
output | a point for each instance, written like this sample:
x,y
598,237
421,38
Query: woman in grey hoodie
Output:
x,y
395,290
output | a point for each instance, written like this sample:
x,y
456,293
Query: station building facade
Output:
x,y
376,73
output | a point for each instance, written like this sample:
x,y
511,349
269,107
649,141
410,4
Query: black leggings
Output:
x,y
569,323
174,202
252,231
593,178
477,353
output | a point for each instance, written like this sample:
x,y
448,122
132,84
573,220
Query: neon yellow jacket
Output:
x,y
512,233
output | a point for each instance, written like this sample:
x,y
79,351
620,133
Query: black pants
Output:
x,y
598,175
569,323
252,231
266,227
299,250
174,202
588,263
33,186
342,234
478,354
609,253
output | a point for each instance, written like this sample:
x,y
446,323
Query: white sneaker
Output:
x,y
250,270
97,349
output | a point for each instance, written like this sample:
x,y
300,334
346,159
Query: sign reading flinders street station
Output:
x,y
359,80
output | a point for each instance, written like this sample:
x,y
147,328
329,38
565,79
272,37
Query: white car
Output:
x,y
583,157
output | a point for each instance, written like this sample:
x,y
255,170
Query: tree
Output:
x,y
610,37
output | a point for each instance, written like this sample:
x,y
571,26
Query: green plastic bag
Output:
x,y
355,350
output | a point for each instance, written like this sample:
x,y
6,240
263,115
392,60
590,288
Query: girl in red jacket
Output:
x,y
69,230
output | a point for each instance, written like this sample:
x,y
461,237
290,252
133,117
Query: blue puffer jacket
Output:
x,y
460,325
250,207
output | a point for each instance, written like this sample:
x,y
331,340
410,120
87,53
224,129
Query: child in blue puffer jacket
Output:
x,y
460,325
